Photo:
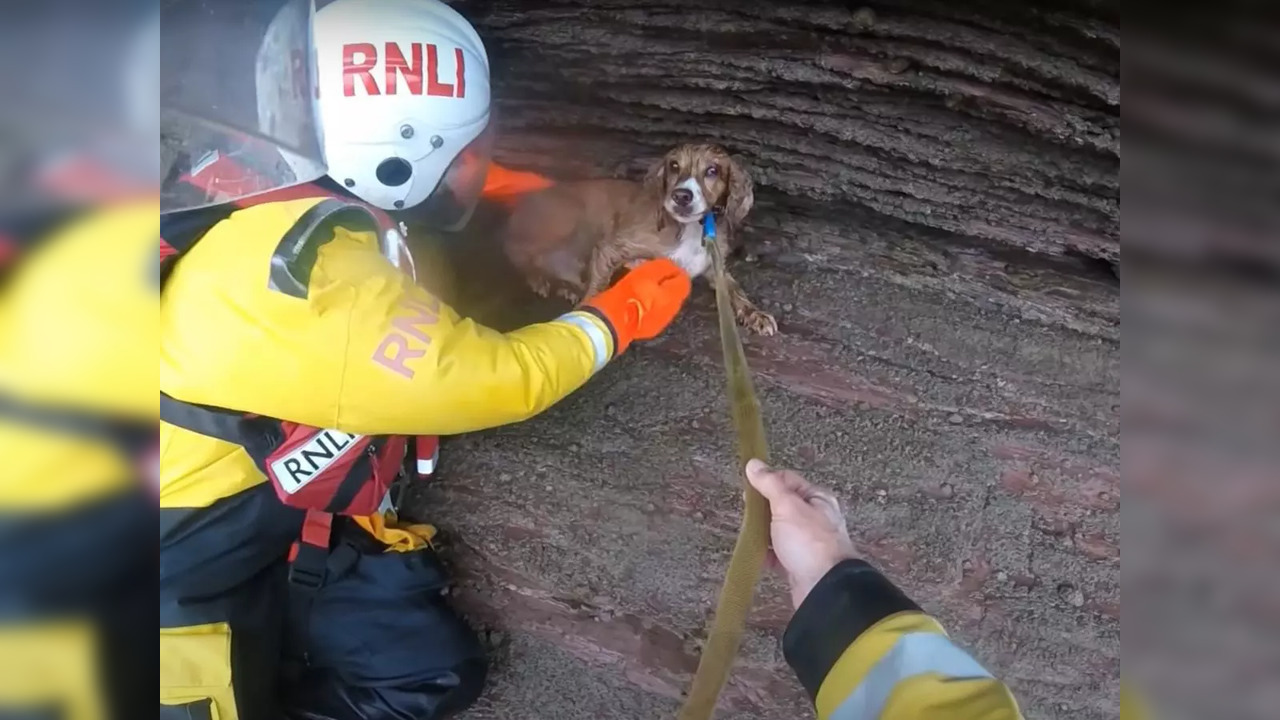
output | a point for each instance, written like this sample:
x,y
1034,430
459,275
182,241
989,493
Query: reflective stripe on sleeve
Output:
x,y
598,335
912,655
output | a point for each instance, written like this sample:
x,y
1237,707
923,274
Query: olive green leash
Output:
x,y
749,550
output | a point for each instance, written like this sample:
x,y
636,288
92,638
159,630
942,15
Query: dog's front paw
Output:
x,y
567,293
541,286
758,322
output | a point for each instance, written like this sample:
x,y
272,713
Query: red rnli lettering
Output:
x,y
352,69
412,73
434,86
360,59
407,340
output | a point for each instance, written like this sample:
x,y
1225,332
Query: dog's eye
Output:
x,y
673,166
713,171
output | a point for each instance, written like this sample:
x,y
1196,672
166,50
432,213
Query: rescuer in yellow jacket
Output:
x,y
285,304
861,648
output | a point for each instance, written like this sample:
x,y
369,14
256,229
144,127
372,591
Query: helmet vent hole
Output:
x,y
394,172
349,182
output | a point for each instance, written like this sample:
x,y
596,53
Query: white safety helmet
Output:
x,y
404,102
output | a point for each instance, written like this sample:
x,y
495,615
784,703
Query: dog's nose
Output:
x,y
682,196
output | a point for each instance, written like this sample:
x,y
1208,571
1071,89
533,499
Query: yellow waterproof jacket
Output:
x,y
365,351
864,651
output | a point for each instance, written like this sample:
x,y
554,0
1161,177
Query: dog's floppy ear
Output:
x,y
655,177
655,186
741,193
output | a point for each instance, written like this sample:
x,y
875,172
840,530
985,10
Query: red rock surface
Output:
x,y
948,366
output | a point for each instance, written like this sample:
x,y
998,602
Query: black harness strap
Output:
x,y
353,481
202,419
257,435
315,561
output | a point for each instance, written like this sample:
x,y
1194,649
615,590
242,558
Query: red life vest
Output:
x,y
320,470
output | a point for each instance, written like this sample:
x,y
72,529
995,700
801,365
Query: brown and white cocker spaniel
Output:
x,y
570,239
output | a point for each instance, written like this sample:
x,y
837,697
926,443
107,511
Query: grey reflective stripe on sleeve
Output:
x,y
599,338
914,654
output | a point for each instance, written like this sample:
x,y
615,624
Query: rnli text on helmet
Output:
x,y
359,60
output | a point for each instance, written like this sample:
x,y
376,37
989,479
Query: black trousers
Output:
x,y
378,639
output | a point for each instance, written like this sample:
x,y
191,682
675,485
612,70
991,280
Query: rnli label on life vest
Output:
x,y
305,462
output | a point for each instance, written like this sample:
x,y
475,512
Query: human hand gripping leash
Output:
x,y
749,550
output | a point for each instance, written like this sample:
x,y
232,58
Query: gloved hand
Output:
x,y
644,302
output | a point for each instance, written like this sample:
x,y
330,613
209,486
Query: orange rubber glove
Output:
x,y
644,302
506,186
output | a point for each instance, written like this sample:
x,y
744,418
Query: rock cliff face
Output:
x,y
937,228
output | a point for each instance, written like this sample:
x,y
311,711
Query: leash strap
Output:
x,y
749,550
